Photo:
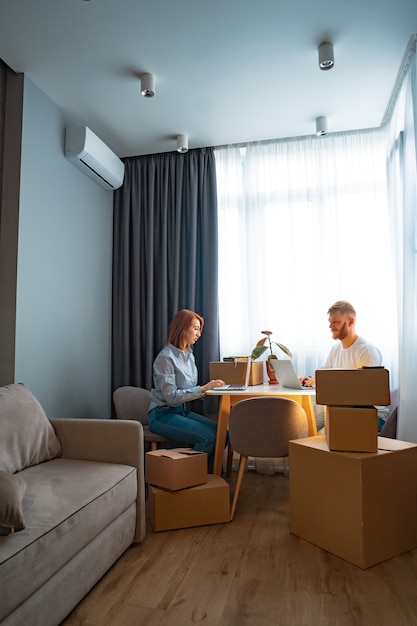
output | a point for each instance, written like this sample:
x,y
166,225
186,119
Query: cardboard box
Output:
x,y
234,373
175,469
360,387
361,507
197,506
351,429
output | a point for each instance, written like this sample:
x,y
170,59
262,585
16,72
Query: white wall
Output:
x,y
63,318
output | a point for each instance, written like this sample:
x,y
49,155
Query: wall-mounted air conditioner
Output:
x,y
87,152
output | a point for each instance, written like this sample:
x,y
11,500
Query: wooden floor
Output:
x,y
250,572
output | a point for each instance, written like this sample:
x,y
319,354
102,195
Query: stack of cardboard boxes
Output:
x,y
351,492
350,396
181,493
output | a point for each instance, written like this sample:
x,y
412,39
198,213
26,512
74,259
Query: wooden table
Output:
x,y
229,398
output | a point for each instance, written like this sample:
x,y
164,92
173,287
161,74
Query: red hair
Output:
x,y
179,325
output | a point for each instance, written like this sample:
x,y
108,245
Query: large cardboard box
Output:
x,y
361,507
358,387
233,373
197,506
351,428
177,468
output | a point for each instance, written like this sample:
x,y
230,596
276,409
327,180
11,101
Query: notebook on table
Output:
x,y
238,387
286,374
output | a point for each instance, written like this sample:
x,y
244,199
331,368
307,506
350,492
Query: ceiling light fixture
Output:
x,y
182,143
326,56
321,126
147,85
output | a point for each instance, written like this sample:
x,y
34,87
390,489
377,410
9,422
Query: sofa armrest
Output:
x,y
109,441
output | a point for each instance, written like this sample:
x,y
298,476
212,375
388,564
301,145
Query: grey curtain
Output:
x,y
164,259
11,116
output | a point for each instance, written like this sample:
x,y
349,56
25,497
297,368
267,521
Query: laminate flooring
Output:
x,y
250,572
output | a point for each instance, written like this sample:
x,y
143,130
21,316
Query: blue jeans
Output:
x,y
181,425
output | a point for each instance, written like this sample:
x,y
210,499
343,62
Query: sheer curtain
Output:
x,y
302,223
402,185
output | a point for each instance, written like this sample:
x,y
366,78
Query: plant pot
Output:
x,y
272,377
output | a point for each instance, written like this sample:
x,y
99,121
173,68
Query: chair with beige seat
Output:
x,y
132,403
262,427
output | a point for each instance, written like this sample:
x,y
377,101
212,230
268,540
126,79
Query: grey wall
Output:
x,y
63,306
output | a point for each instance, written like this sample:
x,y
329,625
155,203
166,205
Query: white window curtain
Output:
x,y
402,184
302,223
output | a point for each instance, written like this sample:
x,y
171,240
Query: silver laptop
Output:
x,y
286,374
237,387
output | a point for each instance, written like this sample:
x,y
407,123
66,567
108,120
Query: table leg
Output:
x,y
222,422
308,406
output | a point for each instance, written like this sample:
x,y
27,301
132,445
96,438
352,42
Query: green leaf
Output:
x,y
283,348
258,351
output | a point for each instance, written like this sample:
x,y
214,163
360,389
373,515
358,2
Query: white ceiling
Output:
x,y
226,71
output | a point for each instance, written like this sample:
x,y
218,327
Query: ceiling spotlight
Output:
x,y
326,56
182,143
321,126
148,85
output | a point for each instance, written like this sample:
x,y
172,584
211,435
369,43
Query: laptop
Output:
x,y
237,387
286,374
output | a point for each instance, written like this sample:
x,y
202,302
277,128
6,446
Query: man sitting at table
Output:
x,y
350,352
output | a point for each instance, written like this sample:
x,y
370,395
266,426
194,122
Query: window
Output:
x,y
303,223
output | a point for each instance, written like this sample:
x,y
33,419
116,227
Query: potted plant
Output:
x,y
264,344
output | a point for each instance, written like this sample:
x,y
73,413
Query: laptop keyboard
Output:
x,y
235,387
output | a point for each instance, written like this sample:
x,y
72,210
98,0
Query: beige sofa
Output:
x,y
72,500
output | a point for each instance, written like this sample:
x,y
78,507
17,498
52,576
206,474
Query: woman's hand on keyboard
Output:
x,y
218,382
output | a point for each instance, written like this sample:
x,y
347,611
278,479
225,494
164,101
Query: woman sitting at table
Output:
x,y
175,379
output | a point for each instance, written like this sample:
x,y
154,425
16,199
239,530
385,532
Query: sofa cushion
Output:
x,y
27,436
12,489
68,503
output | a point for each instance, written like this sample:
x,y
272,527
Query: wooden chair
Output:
x,y
262,427
132,403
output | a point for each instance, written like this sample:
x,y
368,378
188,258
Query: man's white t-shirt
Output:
x,y
359,354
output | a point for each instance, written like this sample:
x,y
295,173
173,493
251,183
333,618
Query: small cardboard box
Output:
x,y
361,507
175,469
361,387
197,506
351,429
233,373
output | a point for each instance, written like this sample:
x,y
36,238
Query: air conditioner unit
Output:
x,y
87,152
